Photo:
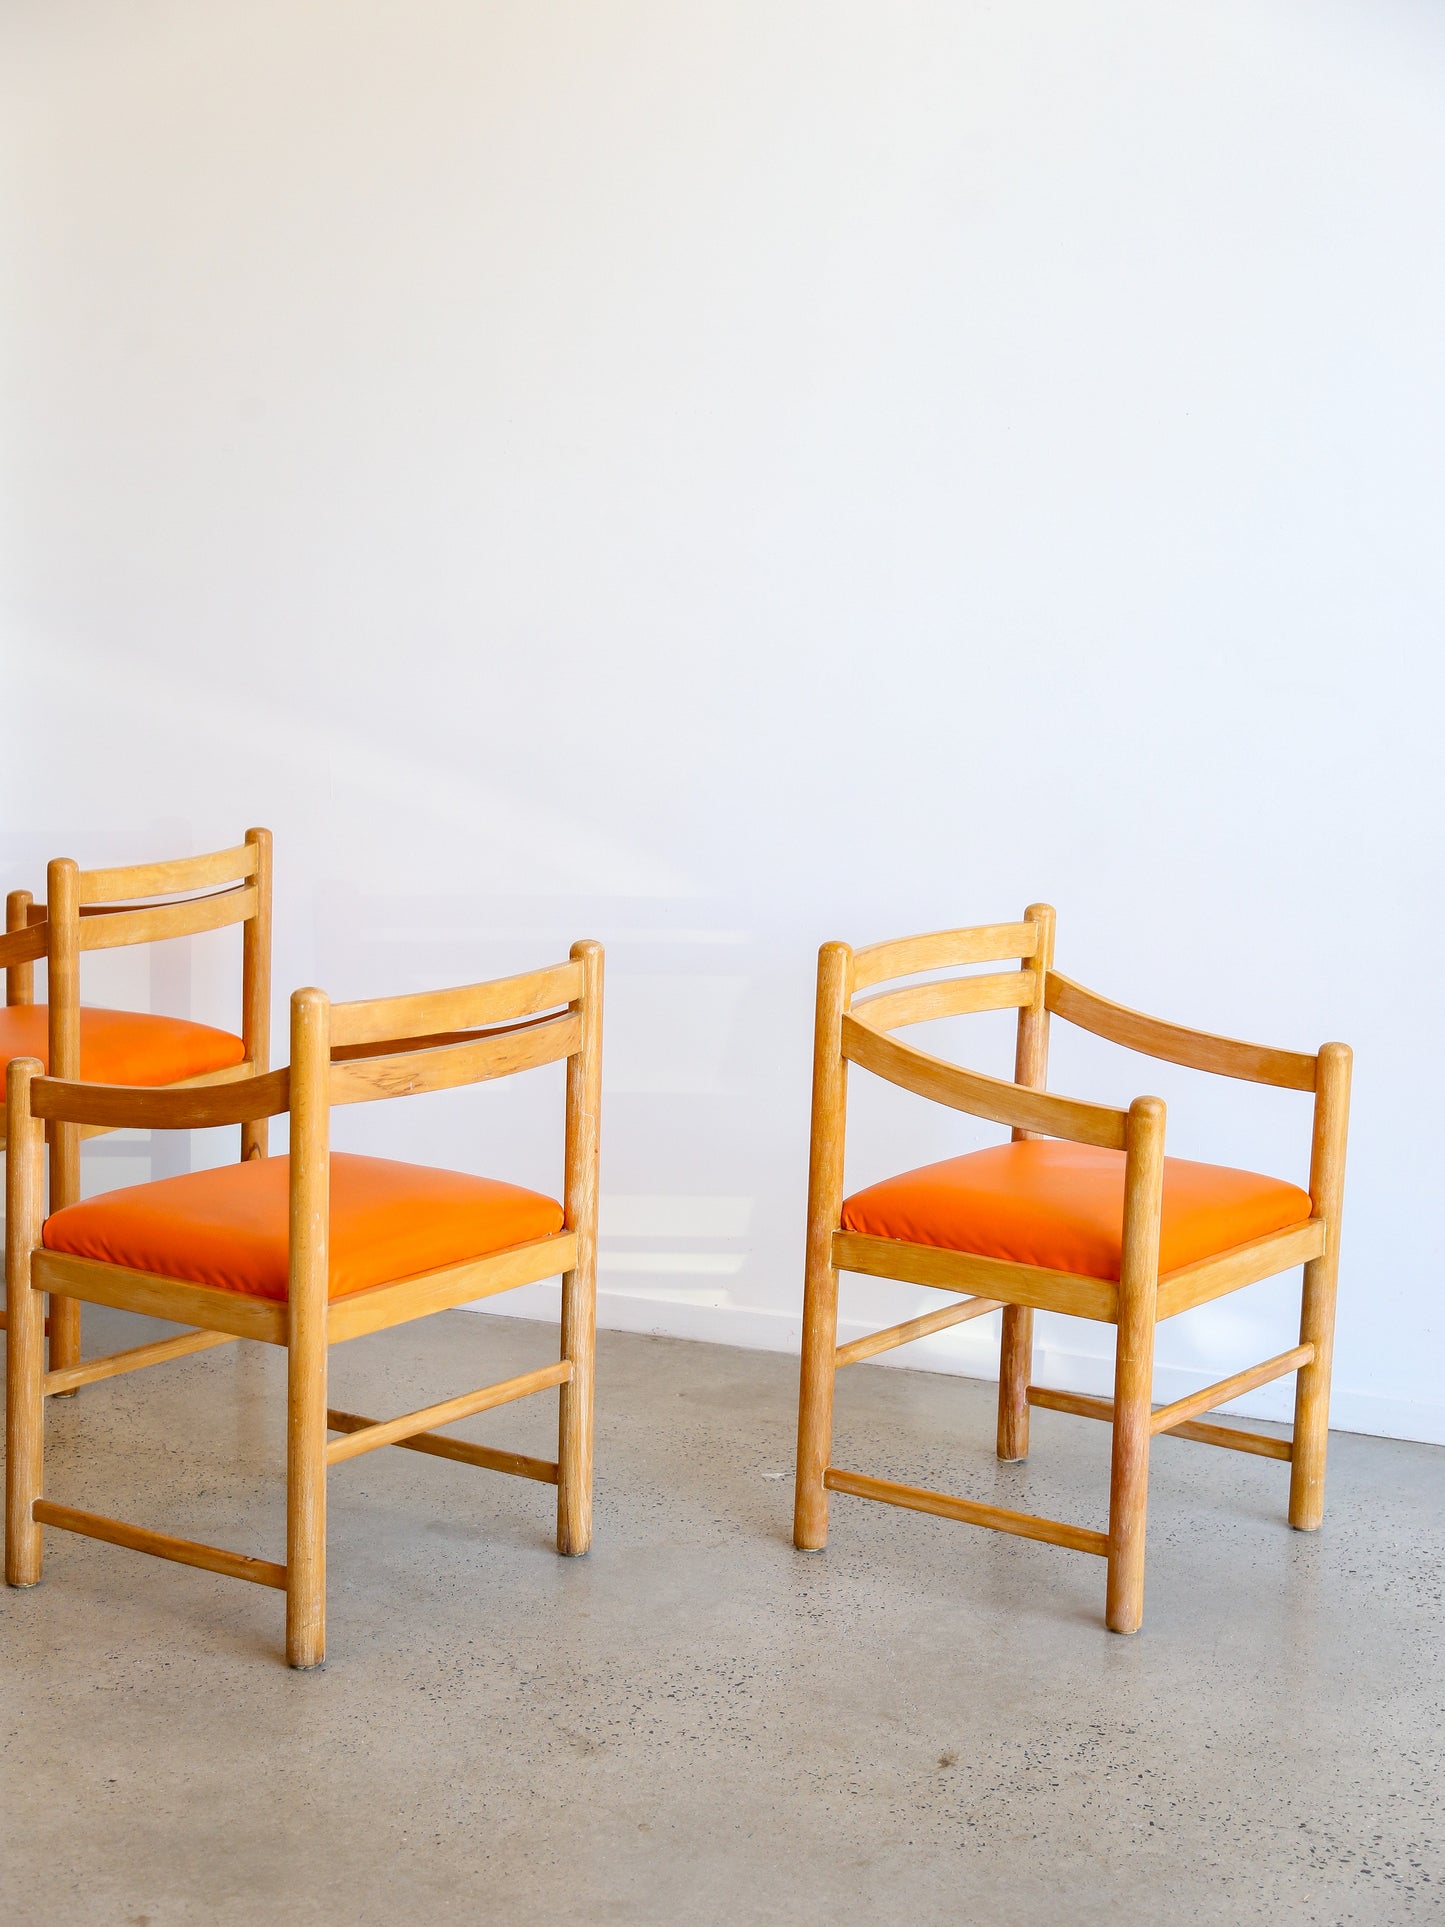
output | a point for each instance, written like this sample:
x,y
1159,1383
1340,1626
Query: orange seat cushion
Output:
x,y
123,1046
1061,1206
228,1228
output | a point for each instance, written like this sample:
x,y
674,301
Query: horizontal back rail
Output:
x,y
988,1097
952,997
443,1067
244,1100
942,949
1196,1050
106,929
386,1046
167,879
468,1007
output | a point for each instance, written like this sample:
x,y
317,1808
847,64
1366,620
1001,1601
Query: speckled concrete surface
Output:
x,y
696,1723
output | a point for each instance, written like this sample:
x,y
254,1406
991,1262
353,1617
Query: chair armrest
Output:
x,y
1196,1050
988,1097
195,1107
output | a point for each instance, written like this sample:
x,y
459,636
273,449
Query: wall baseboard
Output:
x,y
967,1351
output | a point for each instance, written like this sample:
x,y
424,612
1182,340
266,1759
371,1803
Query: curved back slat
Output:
x,y
443,1067
950,997
941,949
468,1007
106,929
167,879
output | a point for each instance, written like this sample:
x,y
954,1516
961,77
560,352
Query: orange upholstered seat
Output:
x,y
124,1046
228,1228
1061,1206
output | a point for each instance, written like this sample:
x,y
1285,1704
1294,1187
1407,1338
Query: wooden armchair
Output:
x,y
307,1250
1080,1213
104,909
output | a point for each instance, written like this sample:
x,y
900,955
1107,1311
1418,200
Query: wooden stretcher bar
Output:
x,y
389,1431
162,1545
933,1321
519,1464
1229,1436
133,1360
1026,1525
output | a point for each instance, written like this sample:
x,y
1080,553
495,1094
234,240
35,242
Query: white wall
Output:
x,y
718,478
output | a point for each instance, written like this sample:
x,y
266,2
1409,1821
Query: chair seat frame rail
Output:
x,y
340,1054
856,1030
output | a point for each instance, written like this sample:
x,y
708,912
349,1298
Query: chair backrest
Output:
x,y
854,1029
1028,943
436,1040
104,909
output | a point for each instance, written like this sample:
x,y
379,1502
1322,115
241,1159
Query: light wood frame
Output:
x,y
854,1029
340,1054
103,910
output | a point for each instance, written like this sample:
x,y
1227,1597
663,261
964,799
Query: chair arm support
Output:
x,y
1196,1050
988,1097
244,1100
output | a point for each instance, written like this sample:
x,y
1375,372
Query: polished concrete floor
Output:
x,y
696,1723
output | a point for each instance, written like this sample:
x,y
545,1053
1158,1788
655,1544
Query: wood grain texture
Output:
x,y
1194,1049
25,1345
1229,1436
1134,1365
161,1545
115,1364
21,948
1064,1291
390,1431
383,1306
468,1007
1166,1417
489,1458
1245,1264
306,1335
580,1197
176,1107
1031,1070
169,878
817,1366
940,950
988,1097
62,992
156,1297
441,1068
947,997
905,1334
1024,1525
256,986
1317,1305
159,922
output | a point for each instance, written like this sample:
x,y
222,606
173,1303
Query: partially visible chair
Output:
x,y
310,1249
103,909
1080,1213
